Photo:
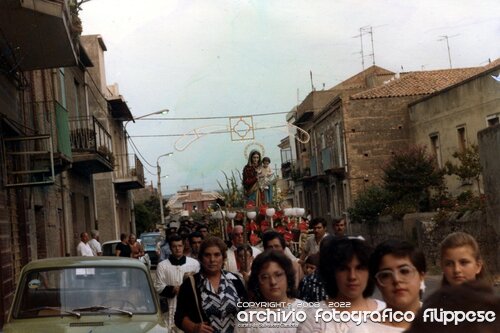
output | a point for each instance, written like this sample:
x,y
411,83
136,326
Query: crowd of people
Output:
x,y
214,286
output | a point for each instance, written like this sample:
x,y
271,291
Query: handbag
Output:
x,y
191,279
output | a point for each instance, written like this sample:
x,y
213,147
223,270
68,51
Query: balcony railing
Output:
x,y
88,135
91,145
129,172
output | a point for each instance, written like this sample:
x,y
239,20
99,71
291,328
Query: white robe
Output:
x,y
171,275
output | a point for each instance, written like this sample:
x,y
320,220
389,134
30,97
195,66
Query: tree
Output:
x,y
147,214
143,218
369,205
469,167
409,175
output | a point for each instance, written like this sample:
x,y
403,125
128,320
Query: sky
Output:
x,y
232,58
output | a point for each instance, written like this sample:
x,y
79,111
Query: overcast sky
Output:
x,y
225,58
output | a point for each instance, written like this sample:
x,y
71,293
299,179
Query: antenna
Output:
x,y
446,37
365,31
312,85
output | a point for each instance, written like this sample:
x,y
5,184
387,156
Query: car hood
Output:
x,y
85,325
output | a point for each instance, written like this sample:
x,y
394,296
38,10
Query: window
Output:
x,y
435,148
462,138
493,120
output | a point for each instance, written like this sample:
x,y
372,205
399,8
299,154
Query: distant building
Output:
x,y
195,200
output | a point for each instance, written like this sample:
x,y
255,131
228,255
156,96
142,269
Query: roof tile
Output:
x,y
419,83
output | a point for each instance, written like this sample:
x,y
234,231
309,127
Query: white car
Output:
x,y
109,249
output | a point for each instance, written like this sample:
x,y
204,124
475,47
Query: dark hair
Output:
x,y
469,296
270,235
210,242
258,264
266,159
174,238
317,220
335,254
244,247
253,152
201,226
194,234
184,232
338,220
313,259
123,236
400,249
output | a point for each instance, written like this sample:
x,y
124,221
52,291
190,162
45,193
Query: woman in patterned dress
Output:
x,y
208,302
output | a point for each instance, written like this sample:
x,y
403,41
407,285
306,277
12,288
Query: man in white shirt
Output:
x,y
318,225
94,243
237,239
171,272
83,249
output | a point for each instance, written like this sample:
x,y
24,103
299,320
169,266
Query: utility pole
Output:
x,y
160,196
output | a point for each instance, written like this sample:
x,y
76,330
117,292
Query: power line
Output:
x,y
216,117
200,134
137,151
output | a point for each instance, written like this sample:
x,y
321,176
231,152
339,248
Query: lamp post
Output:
x,y
160,196
163,111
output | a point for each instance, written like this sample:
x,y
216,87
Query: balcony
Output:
x,y
127,177
287,169
29,161
39,33
91,146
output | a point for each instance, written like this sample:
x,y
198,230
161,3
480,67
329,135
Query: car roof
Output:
x,y
111,242
151,234
63,262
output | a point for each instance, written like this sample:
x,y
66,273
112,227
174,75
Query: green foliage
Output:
x,y
143,218
147,214
410,174
233,192
398,209
469,166
370,204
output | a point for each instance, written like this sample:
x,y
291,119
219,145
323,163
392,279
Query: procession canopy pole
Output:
x,y
245,239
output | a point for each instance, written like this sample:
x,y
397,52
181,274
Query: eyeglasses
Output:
x,y
388,276
277,276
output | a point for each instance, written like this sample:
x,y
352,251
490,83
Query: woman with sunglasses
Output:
x,y
343,267
399,270
272,283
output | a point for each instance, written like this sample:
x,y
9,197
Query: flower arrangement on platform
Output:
x,y
289,222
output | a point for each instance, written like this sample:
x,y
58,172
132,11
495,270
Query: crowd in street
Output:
x,y
209,285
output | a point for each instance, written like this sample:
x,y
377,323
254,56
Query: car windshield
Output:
x,y
150,240
84,291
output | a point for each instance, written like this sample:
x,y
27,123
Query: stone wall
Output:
x,y
489,145
426,233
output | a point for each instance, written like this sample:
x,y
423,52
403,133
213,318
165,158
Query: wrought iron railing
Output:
x,y
87,134
129,166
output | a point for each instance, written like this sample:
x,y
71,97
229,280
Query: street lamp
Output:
x,y
164,111
158,170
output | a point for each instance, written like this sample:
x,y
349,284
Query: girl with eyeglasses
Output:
x,y
343,267
399,270
272,283
461,260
